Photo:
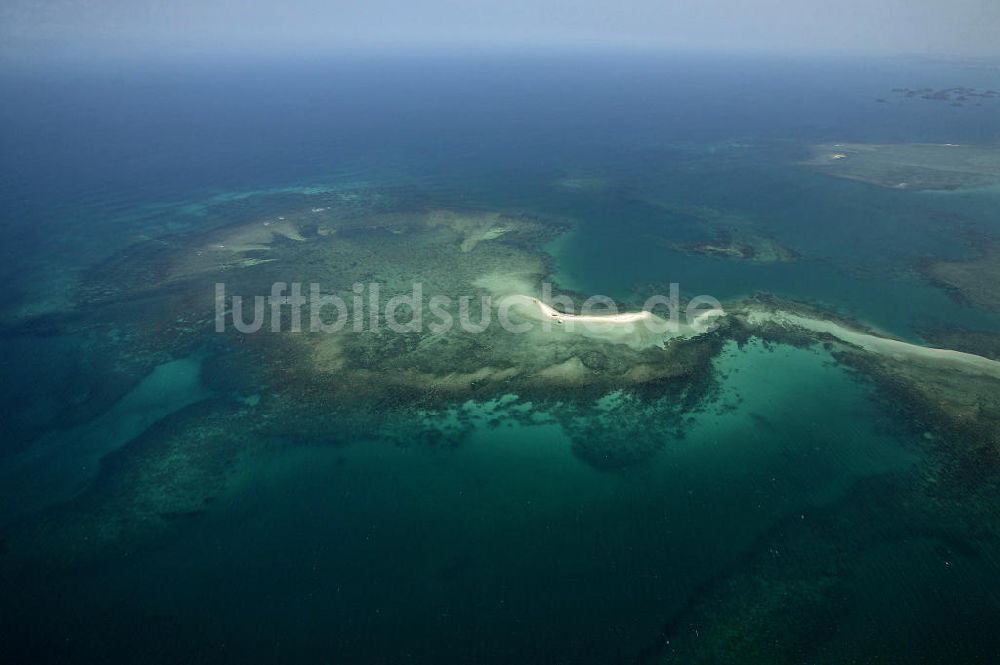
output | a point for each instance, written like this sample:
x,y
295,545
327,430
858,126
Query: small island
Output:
x,y
748,247
957,95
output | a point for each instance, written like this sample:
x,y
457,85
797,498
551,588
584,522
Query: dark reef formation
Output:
x,y
957,96
154,302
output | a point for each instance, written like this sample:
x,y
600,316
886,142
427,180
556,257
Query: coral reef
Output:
x,y
733,235
156,301
620,398
793,596
972,281
910,166
796,596
743,247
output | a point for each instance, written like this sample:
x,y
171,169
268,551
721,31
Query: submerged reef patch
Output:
x,y
953,395
177,468
155,301
733,235
742,247
974,281
618,396
910,166
891,546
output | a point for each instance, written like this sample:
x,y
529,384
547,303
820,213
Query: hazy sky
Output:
x,y
969,27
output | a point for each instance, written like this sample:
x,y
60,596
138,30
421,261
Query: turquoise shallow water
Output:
x,y
508,547
505,546
855,256
59,466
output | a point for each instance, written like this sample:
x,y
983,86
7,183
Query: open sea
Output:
x,y
506,548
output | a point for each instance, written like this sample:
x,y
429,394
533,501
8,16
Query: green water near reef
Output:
x,y
507,547
858,244
65,463
506,544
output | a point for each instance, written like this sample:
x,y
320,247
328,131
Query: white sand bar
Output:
x,y
636,329
965,362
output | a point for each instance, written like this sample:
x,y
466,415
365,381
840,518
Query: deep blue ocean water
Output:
x,y
508,549
86,150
